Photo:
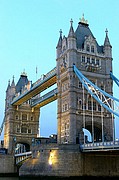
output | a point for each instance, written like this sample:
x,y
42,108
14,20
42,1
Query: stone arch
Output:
x,y
21,147
97,130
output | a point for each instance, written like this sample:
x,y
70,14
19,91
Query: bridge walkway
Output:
x,y
43,83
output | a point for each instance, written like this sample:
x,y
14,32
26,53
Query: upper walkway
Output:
x,y
43,100
40,85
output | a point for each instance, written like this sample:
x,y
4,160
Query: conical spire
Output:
x,y
71,31
8,87
13,83
107,46
71,40
9,83
60,39
107,42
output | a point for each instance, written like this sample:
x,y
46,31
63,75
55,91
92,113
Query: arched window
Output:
x,y
29,131
88,48
83,59
23,130
97,62
24,116
88,59
17,117
31,118
18,129
92,49
93,60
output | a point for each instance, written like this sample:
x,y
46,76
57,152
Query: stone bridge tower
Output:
x,y
21,123
76,109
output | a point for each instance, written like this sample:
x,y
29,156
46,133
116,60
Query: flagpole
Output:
x,y
36,72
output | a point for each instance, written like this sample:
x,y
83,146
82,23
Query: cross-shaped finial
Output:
x,y
106,31
9,82
60,32
71,21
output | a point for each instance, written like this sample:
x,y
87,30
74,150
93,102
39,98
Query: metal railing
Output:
x,y
22,156
100,146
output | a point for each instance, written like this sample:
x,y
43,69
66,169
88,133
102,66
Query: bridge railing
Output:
x,y
97,146
45,77
22,156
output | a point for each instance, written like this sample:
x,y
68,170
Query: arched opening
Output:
x,y
94,135
22,148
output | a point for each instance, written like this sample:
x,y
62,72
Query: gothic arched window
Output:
x,y
17,117
88,48
24,116
24,130
92,49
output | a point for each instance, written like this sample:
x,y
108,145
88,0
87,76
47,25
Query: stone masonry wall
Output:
x,y
7,164
67,160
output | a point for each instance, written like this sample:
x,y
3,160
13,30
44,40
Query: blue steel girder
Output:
x,y
114,79
103,98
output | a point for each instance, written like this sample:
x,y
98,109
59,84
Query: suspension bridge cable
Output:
x,y
96,92
113,124
84,111
114,78
102,110
92,120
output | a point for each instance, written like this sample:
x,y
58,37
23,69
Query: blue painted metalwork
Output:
x,y
114,79
96,92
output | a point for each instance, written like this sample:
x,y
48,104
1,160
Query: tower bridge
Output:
x,y
84,92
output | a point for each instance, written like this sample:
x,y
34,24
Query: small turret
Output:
x,y
10,93
13,89
59,44
8,87
71,37
13,83
107,46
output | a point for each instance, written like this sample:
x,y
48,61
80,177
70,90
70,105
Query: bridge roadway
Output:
x,y
40,85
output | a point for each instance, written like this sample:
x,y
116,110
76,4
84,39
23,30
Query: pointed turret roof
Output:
x,y
23,80
107,42
59,44
8,87
71,31
13,83
82,32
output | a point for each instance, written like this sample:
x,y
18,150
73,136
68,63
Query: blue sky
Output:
x,y
29,31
